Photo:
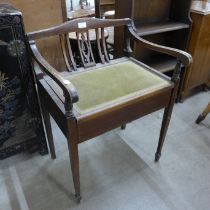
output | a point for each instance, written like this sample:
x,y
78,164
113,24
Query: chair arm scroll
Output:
x,y
69,91
182,56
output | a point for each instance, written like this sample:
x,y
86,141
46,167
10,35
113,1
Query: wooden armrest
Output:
x,y
69,91
182,56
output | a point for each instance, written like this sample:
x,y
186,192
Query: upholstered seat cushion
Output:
x,y
107,85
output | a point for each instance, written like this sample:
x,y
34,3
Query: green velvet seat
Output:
x,y
104,86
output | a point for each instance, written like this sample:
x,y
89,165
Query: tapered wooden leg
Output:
x,y
48,129
168,110
203,115
163,131
74,157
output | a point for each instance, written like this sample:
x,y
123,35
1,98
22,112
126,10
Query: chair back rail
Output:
x,y
81,27
78,25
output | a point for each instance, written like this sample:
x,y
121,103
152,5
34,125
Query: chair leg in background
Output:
x,y
203,115
46,117
123,127
74,158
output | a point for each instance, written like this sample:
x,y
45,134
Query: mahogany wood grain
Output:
x,y
199,46
156,21
160,27
150,11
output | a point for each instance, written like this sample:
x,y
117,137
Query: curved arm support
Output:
x,y
184,57
69,91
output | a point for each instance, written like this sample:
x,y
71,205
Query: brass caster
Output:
x,y
157,157
78,198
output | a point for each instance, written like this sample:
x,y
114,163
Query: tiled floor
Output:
x,y
118,171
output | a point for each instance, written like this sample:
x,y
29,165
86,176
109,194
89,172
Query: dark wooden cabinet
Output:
x,y
199,46
21,125
102,6
165,22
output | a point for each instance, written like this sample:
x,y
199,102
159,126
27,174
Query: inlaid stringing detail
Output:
x,y
86,42
85,49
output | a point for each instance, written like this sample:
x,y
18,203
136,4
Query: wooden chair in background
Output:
x,y
203,115
88,101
